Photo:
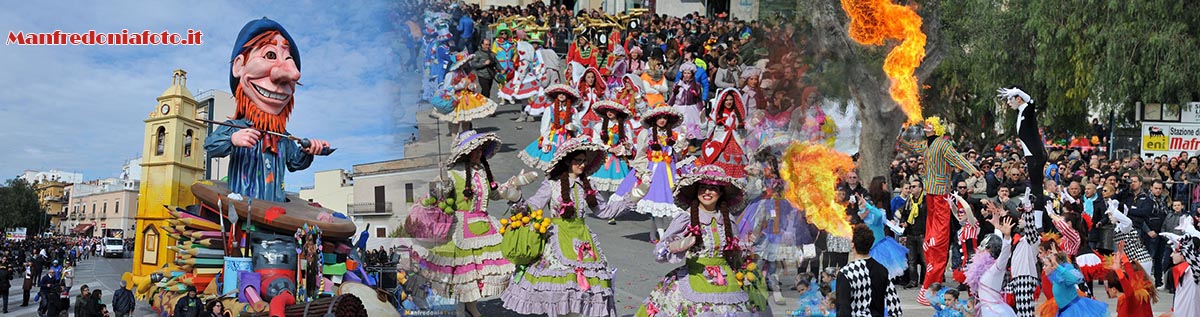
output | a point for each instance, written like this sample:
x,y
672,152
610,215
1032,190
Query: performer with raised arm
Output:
x,y
985,276
940,161
1030,138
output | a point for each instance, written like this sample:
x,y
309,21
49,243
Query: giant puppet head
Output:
x,y
438,25
264,72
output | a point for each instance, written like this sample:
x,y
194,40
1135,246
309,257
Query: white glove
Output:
x,y
1173,238
895,228
1050,207
1112,206
1067,197
1188,227
1025,200
638,193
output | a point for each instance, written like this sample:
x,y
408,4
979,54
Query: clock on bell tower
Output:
x,y
172,159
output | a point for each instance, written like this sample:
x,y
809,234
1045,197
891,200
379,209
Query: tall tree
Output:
x,y
20,206
858,69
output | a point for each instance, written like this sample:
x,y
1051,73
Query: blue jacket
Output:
x,y
466,26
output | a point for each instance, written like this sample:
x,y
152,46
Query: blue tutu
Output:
x,y
1083,307
610,175
535,158
892,255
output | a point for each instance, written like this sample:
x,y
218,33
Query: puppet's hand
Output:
x,y
317,147
246,138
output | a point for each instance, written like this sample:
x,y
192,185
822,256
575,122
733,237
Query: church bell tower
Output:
x,y
172,159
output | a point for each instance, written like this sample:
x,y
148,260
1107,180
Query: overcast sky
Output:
x,y
80,108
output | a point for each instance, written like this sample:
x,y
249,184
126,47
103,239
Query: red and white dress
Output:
x,y
589,95
723,147
524,83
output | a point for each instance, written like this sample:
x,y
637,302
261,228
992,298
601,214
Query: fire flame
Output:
x,y
872,22
810,171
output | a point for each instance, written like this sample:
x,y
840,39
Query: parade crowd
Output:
x,y
46,268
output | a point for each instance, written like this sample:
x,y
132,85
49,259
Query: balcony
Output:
x,y
371,209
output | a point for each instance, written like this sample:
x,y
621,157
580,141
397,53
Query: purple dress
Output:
x,y
660,170
572,275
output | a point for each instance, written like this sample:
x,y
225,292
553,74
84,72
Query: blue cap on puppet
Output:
x,y
252,29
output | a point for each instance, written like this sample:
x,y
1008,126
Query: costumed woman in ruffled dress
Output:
x,y
660,147
655,83
686,98
591,90
470,266
614,133
559,123
711,282
468,103
770,124
630,95
771,223
637,65
723,147
572,276
549,71
524,83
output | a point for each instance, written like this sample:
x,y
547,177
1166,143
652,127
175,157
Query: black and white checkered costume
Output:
x,y
1133,246
1024,262
1023,288
868,291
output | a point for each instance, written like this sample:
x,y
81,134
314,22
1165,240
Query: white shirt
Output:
x,y
1020,116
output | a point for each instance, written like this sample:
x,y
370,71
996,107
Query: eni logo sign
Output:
x,y
1155,140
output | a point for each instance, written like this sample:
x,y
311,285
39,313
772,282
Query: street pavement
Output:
x,y
97,273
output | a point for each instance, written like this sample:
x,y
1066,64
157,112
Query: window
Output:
x,y
117,207
105,208
187,143
408,192
158,140
380,232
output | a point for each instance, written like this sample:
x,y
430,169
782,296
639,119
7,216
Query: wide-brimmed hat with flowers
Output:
x,y
608,105
732,192
674,117
468,141
555,89
592,151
